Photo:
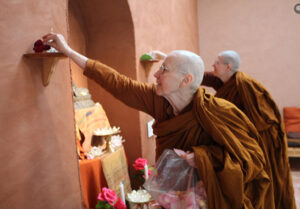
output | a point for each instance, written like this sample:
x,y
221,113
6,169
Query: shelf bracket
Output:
x,y
147,65
48,68
49,62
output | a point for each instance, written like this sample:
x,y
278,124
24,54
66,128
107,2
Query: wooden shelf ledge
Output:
x,y
45,55
49,62
147,61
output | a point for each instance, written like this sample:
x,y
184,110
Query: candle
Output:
x,y
122,192
146,171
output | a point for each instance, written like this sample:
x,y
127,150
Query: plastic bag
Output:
x,y
174,184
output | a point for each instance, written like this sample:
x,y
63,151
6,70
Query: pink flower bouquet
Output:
x,y
108,199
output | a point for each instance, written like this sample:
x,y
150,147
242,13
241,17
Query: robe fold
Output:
x,y
228,156
231,162
256,102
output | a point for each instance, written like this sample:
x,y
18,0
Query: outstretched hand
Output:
x,y
157,54
58,42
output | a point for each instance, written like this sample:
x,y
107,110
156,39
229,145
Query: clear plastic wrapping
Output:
x,y
174,184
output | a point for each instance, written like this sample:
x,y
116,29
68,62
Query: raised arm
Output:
x,y
135,94
58,42
138,95
158,55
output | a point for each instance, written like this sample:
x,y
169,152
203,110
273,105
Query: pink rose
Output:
x,y
108,195
140,163
100,197
120,204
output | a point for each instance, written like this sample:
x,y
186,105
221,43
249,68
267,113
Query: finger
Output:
x,y
47,40
190,156
184,157
47,35
51,43
179,152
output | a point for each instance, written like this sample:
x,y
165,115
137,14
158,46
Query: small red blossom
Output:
x,y
47,47
39,46
38,43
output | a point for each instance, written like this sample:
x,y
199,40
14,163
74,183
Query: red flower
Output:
x,y
108,195
120,204
38,43
39,46
140,163
47,47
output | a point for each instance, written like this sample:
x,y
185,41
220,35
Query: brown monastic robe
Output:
x,y
256,102
226,144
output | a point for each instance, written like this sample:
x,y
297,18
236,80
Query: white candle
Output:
x,y
146,172
122,192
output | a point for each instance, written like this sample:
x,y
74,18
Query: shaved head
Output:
x,y
231,57
188,62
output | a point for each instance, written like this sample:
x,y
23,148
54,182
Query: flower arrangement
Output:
x,y
108,199
139,165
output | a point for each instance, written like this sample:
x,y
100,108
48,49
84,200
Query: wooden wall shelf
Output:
x,y
147,65
49,61
147,61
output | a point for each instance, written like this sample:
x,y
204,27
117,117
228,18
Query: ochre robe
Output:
x,y
256,102
226,144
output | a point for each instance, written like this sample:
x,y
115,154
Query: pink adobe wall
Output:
x,y
264,33
166,26
39,161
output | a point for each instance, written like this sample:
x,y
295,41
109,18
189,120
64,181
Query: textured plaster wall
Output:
x,y
164,25
39,167
264,33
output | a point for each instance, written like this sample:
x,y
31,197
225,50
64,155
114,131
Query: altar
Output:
x,y
107,170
